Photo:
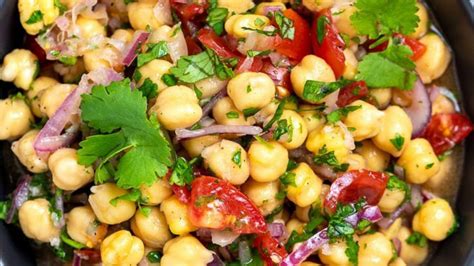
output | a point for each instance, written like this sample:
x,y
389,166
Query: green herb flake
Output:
x,y
232,115
250,111
340,113
134,196
169,79
322,22
429,166
417,239
154,257
36,16
288,179
62,8
253,53
182,173
155,51
237,158
352,250
216,18
286,26
149,89
68,60
66,239
315,91
4,207
398,141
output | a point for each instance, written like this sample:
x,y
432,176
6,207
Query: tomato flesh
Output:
x,y
415,46
279,75
212,41
269,247
351,93
300,46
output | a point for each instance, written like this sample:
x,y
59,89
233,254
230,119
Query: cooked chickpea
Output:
x,y
434,62
177,107
365,121
307,187
342,20
210,86
141,15
67,173
15,118
236,25
381,97
251,90
21,67
330,137
185,251
228,160
397,262
52,98
350,65
334,254
152,229
424,22
309,263
26,154
310,68
47,8
35,220
434,219
297,131
442,105
395,131
106,212
263,195
156,193
154,70
104,57
316,6
268,161
225,113
121,248
375,158
393,230
123,35
174,37
391,199
83,227
356,161
374,250
176,214
411,254
37,87
313,118
262,7
236,7
419,161
294,225
89,28
195,146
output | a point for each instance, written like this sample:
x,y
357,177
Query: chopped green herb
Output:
x,y
137,75
182,173
276,117
283,127
216,18
444,155
321,27
149,89
315,219
315,91
288,179
352,250
340,113
455,227
291,165
153,256
169,79
35,17
398,141
155,51
280,195
198,92
68,241
417,239
134,195
264,32
269,218
249,88
394,183
429,166
259,22
253,53
286,26
263,141
232,115
249,112
363,224
128,1
68,60
329,157
4,207
62,8
237,158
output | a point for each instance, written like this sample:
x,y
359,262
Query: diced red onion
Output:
x,y
258,42
277,74
130,53
217,129
216,261
245,255
397,244
62,22
162,12
330,102
416,197
206,109
399,171
223,237
20,195
271,9
279,60
419,110
76,260
207,121
61,141
177,46
348,139
224,253
277,230
427,195
245,66
204,234
450,95
388,221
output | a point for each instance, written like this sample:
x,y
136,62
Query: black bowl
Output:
x,y
456,20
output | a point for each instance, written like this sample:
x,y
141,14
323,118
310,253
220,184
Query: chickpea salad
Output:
x,y
224,132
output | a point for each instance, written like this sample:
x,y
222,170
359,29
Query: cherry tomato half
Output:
x,y
351,93
416,47
212,41
353,185
444,131
217,204
300,46
269,247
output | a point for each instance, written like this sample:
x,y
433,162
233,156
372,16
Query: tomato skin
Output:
x,y
188,11
217,204
212,41
351,93
268,246
182,193
416,47
300,46
350,186
332,46
444,131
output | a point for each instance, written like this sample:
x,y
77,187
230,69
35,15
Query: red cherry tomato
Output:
x,y
352,92
217,204
188,11
444,131
269,247
249,64
279,75
193,47
350,186
331,49
416,47
300,46
182,193
212,41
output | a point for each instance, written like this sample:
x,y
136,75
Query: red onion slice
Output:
x,y
245,66
416,197
206,109
388,221
130,53
20,195
223,237
420,109
216,261
217,129
277,229
398,245
162,12
271,9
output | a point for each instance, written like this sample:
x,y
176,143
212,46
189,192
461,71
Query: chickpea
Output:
x,y
434,219
236,7
106,212
152,229
375,158
331,138
176,214
251,90
393,230
53,97
381,97
105,57
356,162
35,220
391,199
268,161
263,195
310,68
28,8
268,111
397,262
21,67
260,10
67,173
303,213
295,225
89,28
33,94
83,227
313,118
141,15
350,64
419,161
225,113
396,128
236,25
154,70
69,3
423,24
342,20
195,146
210,86
442,105
374,249
411,254
316,6
26,154
15,118
123,35
366,120
334,254
297,131
156,193
228,160
177,107
434,62
174,37
121,248
185,251
307,187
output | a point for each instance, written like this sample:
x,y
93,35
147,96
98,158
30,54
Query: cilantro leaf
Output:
x,y
329,157
62,8
4,207
286,26
417,239
453,228
314,91
182,173
134,195
216,19
68,60
155,50
391,68
385,17
316,218
169,80
395,183
276,116
321,26
119,114
288,179
232,115
237,158
398,141
154,256
340,113
352,250
35,17
149,89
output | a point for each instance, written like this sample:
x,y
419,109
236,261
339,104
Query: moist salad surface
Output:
x,y
225,132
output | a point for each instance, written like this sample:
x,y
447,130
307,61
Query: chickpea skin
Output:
x,y
67,173
419,161
185,251
395,131
375,158
411,254
37,87
176,214
366,120
156,193
375,250
307,187
263,195
21,67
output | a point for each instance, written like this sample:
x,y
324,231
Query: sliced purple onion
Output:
x,y
277,229
224,253
450,95
420,109
217,129
399,171
245,66
279,60
416,197
386,222
216,261
20,195
397,244
271,9
204,234
76,260
427,195
223,237
206,109
130,52
63,140
245,255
